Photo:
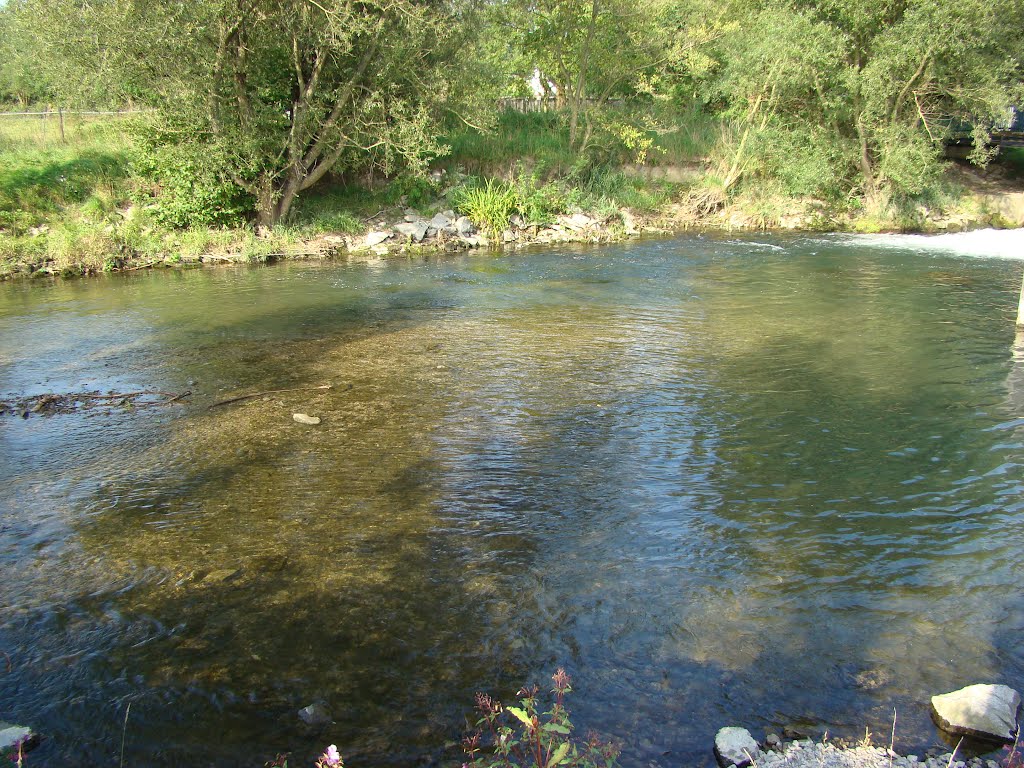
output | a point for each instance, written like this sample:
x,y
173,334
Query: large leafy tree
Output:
x,y
272,94
868,88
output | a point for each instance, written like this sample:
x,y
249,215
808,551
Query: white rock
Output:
x,y
302,418
417,230
735,746
985,711
440,221
576,222
11,735
464,226
376,238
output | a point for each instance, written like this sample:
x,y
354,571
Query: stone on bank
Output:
x,y
981,711
12,735
735,746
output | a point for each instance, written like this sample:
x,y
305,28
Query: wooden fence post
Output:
x,y
60,116
1020,310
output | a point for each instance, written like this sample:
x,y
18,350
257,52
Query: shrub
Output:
x,y
489,207
521,737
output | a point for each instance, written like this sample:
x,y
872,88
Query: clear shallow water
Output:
x,y
722,481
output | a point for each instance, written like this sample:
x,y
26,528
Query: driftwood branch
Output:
x,y
239,398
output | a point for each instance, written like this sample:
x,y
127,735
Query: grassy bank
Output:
x,y
75,201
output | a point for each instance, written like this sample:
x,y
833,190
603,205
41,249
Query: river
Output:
x,y
759,481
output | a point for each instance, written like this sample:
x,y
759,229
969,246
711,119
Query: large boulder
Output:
x,y
735,746
12,735
416,230
981,711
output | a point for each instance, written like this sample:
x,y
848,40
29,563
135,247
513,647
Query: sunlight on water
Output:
x,y
722,481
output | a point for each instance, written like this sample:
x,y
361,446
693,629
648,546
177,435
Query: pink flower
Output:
x,y
331,756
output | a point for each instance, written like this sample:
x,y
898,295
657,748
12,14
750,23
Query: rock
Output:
x,y
338,240
464,226
411,214
302,418
628,222
316,714
440,221
773,741
982,711
12,735
735,746
508,236
576,222
416,230
221,575
376,238
475,241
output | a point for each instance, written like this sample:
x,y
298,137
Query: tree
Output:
x,y
871,86
275,93
593,50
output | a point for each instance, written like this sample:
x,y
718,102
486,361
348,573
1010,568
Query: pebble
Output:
x,y
302,418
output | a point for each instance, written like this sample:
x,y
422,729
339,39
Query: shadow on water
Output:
x,y
603,463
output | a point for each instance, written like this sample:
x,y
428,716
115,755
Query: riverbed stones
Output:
x,y
302,418
464,226
735,746
982,711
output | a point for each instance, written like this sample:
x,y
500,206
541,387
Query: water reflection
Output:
x,y
720,481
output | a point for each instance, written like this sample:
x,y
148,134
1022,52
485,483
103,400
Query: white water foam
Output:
x,y
982,243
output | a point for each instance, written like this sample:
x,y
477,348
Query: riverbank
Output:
x,y
437,228
85,207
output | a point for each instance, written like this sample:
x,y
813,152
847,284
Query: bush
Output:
x,y
190,186
521,737
489,207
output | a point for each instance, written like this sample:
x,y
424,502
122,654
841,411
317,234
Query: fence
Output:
x,y
49,126
525,105
547,104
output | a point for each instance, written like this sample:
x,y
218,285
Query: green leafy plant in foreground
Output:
x,y
489,207
523,737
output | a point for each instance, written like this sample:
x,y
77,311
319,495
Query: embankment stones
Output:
x,y
735,746
982,711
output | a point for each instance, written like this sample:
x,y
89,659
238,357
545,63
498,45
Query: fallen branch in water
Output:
x,y
51,403
267,392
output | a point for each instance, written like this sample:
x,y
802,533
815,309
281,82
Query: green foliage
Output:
x,y
189,183
525,737
539,138
489,206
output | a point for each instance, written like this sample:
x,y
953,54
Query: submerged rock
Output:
x,y
982,711
302,418
316,714
735,746
221,575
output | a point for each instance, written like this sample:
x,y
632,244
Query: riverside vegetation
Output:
x,y
260,129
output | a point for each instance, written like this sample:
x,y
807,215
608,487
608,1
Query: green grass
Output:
x,y
538,140
1012,158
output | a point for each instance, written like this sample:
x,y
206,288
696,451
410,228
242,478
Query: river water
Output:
x,y
757,481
